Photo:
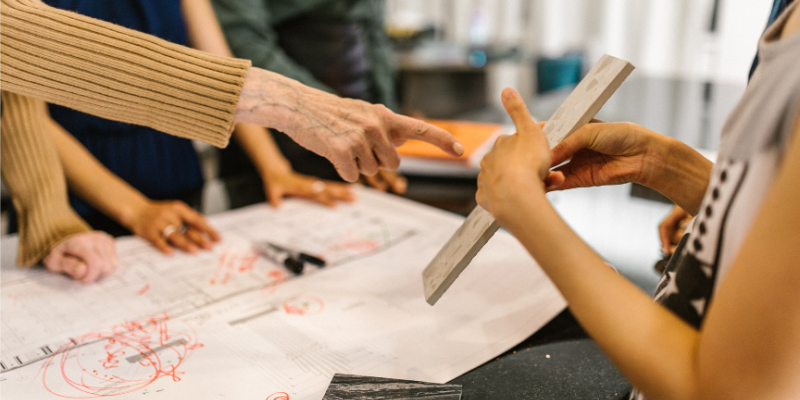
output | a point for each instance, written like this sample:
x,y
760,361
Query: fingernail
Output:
x,y
401,187
507,94
458,148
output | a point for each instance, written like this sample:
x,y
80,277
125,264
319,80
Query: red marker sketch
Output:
x,y
120,359
279,396
303,305
144,289
230,263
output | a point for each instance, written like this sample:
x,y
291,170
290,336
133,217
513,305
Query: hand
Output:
x,y
84,257
278,184
517,166
356,136
671,229
386,180
602,153
153,219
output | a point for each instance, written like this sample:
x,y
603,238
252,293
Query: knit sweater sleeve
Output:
x,y
116,73
33,174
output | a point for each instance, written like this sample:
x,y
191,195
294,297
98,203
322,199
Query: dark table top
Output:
x,y
558,362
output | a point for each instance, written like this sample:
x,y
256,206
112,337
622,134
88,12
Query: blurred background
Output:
x,y
683,48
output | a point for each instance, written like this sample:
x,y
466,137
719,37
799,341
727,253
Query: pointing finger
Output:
x,y
404,128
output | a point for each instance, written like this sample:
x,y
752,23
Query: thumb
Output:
x,y
73,267
274,195
554,180
518,111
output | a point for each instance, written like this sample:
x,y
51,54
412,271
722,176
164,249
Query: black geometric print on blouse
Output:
x,y
688,281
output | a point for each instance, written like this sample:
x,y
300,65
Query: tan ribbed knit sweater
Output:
x,y
101,69
33,173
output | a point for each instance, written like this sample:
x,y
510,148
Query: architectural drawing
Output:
x,y
231,323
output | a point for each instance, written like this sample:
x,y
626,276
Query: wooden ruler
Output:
x,y
580,107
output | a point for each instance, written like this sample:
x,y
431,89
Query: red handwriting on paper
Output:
x,y
144,289
361,245
120,359
279,396
275,277
303,305
231,263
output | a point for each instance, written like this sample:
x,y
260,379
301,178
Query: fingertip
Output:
x,y
165,248
555,179
458,149
508,94
275,202
400,186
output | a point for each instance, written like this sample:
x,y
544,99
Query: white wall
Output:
x,y
661,37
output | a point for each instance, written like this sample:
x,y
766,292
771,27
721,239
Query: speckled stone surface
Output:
x,y
355,387
574,369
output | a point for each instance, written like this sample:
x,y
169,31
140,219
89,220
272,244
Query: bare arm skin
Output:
x,y
356,136
748,346
615,153
279,179
114,197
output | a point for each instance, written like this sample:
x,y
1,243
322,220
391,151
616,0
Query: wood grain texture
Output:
x,y
578,109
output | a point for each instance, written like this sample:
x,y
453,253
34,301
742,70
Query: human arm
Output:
x,y
49,230
279,179
658,352
357,137
146,218
615,153
124,75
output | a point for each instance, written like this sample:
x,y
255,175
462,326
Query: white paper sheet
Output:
x,y
228,324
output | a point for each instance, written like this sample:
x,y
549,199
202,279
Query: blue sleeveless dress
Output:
x,y
161,166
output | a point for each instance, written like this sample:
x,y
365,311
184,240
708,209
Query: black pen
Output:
x,y
300,255
280,256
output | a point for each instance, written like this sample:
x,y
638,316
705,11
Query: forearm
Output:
x,y
650,345
92,181
118,73
275,101
202,28
678,172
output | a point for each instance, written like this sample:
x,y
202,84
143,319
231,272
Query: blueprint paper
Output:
x,y
228,324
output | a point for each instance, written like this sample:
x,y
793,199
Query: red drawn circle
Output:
x,y
279,396
119,359
303,305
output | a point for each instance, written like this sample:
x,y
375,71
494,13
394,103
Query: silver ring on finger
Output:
x,y
318,187
168,230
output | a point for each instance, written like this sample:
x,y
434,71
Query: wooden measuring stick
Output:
x,y
580,107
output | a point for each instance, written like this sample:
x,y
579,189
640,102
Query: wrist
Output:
x,y
661,151
268,99
128,212
680,173
275,168
521,197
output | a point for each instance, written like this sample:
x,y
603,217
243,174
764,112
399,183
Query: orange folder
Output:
x,y
475,136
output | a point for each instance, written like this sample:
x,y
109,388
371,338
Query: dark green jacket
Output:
x,y
248,27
